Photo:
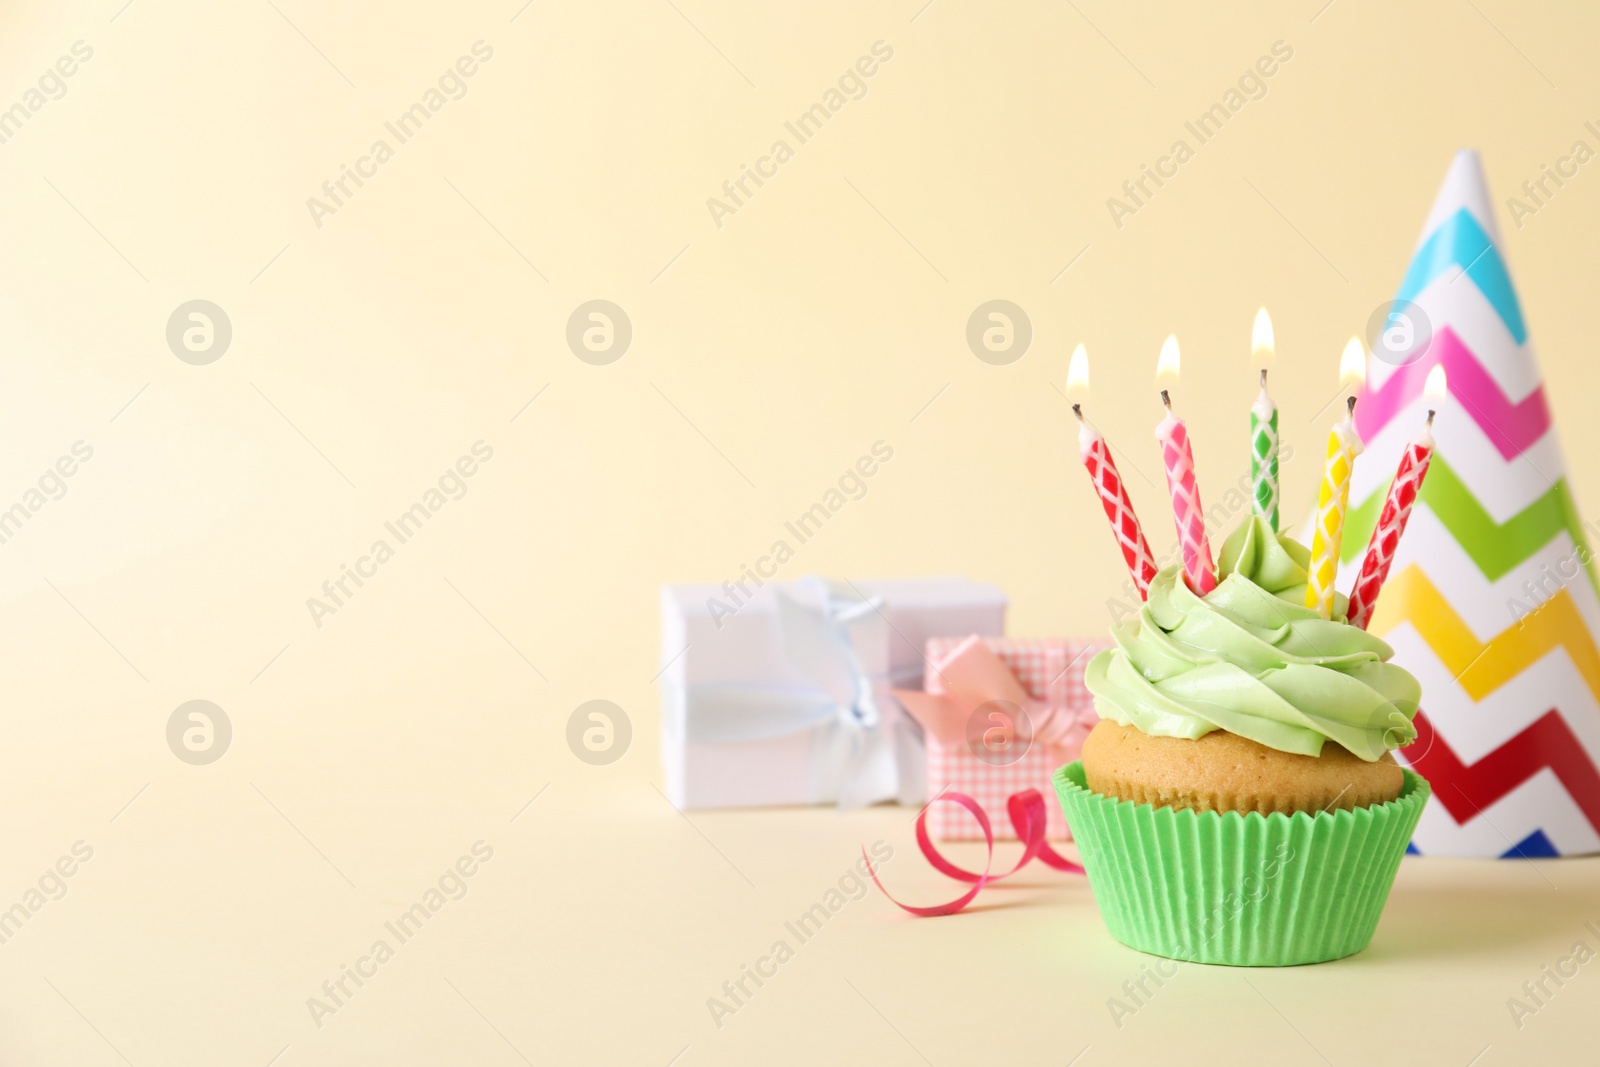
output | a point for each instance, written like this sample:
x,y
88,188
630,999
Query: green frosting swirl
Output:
x,y
1252,659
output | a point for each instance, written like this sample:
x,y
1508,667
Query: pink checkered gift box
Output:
x,y
964,686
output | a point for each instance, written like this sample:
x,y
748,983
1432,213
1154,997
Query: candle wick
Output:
x,y
1077,409
1350,408
1430,417
1166,401
1263,379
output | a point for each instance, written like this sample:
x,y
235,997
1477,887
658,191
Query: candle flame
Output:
x,y
1167,364
1433,390
1353,365
1262,346
1078,375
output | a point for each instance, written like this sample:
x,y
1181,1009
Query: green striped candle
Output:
x,y
1264,457
1264,429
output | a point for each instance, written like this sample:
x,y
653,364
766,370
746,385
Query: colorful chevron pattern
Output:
x,y
1464,244
1549,744
1481,667
1496,547
1511,426
1510,735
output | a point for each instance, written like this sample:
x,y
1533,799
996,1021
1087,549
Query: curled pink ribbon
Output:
x,y
1027,813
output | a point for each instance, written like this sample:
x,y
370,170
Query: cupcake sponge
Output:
x,y
1225,772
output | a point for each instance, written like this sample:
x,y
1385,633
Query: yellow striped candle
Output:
x,y
1344,445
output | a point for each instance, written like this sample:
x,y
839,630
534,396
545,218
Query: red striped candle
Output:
x,y
1119,508
1392,521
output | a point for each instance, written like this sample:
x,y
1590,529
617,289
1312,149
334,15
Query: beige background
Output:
x,y
829,312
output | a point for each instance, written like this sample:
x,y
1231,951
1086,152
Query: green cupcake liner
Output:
x,y
1245,890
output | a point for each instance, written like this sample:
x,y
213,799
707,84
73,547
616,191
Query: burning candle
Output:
x,y
1178,459
1396,508
1264,427
1343,447
1107,482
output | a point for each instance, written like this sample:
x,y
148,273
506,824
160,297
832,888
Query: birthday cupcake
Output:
x,y
1238,802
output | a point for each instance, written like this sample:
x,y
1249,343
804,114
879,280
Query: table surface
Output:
x,y
215,906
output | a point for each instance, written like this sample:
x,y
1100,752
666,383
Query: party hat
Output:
x,y
1492,601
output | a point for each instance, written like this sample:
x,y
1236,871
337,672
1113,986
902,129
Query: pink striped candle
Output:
x,y
1198,566
1178,458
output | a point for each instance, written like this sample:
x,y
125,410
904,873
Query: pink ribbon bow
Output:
x,y
972,676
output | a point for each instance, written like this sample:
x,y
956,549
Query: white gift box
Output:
x,y
782,697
